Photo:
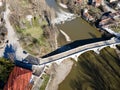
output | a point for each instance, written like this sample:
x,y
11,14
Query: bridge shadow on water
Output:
x,y
76,44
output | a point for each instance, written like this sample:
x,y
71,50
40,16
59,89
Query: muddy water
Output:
x,y
78,29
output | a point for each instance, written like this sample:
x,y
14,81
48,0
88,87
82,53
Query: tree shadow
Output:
x,y
76,84
9,52
116,58
91,78
104,64
96,75
114,70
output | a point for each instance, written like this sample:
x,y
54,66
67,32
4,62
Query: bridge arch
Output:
x,y
113,46
76,52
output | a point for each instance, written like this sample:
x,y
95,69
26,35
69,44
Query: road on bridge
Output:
x,y
78,50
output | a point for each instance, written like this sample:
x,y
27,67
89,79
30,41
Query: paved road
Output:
x,y
77,50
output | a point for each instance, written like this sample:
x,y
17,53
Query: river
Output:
x,y
77,29
71,30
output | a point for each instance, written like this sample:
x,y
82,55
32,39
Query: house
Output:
x,y
32,60
111,18
29,18
1,3
115,15
112,1
96,3
86,15
105,21
19,79
118,5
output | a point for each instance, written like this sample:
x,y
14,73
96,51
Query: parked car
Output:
x,y
24,52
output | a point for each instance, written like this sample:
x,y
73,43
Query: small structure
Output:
x,y
110,18
105,21
1,3
96,3
112,1
110,22
86,15
118,5
32,60
115,15
29,18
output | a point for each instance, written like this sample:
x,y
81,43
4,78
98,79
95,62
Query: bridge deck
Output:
x,y
77,50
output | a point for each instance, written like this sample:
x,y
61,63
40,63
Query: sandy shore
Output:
x,y
59,73
66,36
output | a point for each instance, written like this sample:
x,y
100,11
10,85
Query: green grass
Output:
x,y
24,3
33,32
30,34
115,28
33,29
94,72
46,78
5,68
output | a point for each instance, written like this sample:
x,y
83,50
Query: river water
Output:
x,y
77,29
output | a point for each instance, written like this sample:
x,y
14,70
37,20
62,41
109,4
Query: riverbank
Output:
x,y
94,69
59,73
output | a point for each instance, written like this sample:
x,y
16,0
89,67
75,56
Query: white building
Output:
x,y
1,3
118,5
112,1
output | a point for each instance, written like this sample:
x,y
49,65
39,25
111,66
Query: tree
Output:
x,y
6,67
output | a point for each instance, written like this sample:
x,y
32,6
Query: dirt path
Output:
x,y
59,74
13,40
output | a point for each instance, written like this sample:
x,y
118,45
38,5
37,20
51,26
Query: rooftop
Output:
x,y
19,79
1,3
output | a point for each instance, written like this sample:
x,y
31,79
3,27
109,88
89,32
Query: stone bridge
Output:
x,y
74,53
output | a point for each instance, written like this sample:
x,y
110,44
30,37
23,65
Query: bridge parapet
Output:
x,y
74,53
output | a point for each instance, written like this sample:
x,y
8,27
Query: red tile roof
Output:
x,y
18,79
